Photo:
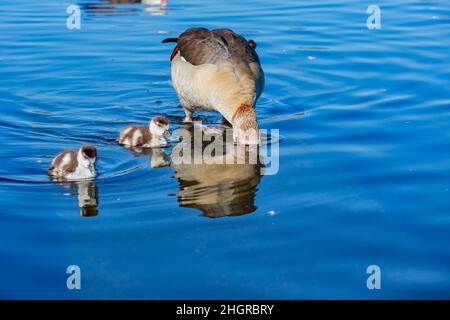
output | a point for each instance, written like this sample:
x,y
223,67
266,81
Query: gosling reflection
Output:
x,y
87,196
158,157
223,188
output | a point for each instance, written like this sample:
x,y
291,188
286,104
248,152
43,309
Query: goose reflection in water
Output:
x,y
153,7
222,188
218,188
87,195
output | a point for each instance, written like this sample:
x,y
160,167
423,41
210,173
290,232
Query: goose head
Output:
x,y
245,126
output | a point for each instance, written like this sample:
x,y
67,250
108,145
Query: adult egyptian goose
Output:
x,y
74,164
152,135
219,70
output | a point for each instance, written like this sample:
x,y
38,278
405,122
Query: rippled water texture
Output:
x,y
364,173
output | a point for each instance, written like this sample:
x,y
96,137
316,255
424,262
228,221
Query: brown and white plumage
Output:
x,y
74,164
146,136
218,70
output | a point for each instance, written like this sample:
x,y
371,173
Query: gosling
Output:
x,y
74,164
141,136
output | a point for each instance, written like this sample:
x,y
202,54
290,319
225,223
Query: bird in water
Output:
x,y
152,135
218,70
74,164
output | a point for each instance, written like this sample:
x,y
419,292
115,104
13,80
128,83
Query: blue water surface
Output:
x,y
364,119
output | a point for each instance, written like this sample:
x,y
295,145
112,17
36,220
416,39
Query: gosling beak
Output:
x,y
166,134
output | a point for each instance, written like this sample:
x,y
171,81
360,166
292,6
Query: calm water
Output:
x,y
364,117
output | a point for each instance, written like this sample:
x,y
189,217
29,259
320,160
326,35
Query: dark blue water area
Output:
x,y
364,168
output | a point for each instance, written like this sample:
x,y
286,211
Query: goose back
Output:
x,y
201,46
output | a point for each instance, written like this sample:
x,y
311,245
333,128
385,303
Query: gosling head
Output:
x,y
159,127
87,155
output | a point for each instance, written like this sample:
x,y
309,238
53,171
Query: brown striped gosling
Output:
x,y
141,136
74,164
